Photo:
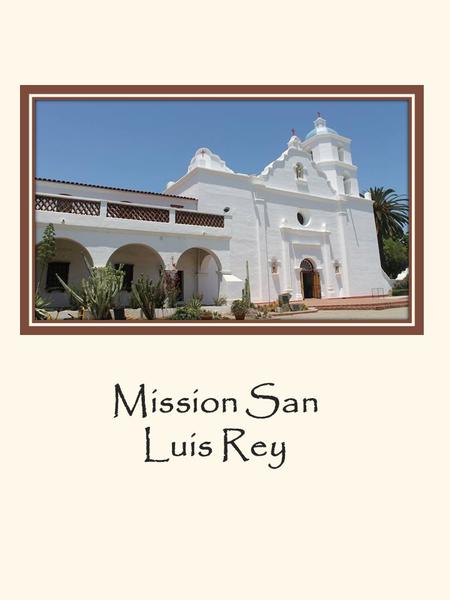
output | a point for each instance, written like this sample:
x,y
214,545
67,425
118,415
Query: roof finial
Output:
x,y
318,114
293,131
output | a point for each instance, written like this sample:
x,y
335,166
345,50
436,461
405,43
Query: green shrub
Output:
x,y
170,285
46,250
299,307
240,308
400,292
190,312
40,307
403,284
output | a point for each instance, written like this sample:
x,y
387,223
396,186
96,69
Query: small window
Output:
x,y
300,218
341,154
128,277
54,269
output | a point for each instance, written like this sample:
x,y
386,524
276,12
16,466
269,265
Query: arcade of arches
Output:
x,y
198,271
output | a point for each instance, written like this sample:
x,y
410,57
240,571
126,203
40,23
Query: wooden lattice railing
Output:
x,y
137,213
67,205
196,218
126,211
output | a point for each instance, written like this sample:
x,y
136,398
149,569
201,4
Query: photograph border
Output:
x,y
413,94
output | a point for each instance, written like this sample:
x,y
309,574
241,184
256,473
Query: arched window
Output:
x,y
341,155
306,265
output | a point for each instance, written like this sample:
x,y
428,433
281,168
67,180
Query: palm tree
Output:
x,y
391,216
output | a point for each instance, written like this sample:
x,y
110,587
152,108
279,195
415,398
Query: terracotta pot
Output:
x,y
239,317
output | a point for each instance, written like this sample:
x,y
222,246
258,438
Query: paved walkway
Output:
x,y
387,314
357,303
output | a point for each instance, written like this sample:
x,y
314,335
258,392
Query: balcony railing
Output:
x,y
68,205
184,217
135,212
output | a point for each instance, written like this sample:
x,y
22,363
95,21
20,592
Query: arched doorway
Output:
x,y
69,263
136,259
310,280
198,272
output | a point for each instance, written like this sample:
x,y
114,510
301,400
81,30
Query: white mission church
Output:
x,y
301,225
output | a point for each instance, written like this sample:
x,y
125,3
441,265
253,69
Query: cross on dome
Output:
x,y
320,127
320,121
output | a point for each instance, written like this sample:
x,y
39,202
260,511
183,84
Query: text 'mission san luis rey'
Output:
x,y
262,403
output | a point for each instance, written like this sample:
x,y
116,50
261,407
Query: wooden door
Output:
x,y
316,285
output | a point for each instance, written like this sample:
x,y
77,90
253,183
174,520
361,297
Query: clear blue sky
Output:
x,y
144,144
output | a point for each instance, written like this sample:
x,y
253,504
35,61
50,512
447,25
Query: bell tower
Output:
x,y
332,154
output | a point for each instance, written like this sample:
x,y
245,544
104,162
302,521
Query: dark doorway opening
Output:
x,y
308,284
310,280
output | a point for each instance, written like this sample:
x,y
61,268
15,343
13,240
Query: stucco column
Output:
x,y
261,241
286,266
329,277
341,220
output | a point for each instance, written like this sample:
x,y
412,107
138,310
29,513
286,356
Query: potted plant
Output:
x,y
239,308
206,315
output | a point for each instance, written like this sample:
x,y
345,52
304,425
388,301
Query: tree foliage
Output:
x,y
46,250
391,216
395,256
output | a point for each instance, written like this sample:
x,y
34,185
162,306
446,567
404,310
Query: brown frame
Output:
x,y
413,326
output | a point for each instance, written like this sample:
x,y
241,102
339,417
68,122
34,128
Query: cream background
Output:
x,y
360,509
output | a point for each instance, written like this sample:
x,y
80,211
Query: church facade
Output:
x,y
300,225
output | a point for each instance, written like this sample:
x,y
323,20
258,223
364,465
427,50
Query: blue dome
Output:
x,y
323,130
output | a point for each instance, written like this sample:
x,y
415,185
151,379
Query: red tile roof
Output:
x,y
117,189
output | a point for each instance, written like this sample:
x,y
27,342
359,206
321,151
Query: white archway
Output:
x,y
137,259
200,274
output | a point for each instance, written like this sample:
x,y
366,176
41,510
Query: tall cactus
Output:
x,y
246,295
99,290
145,293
